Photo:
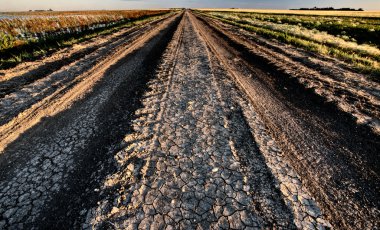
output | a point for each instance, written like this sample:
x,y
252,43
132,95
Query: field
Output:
x,y
28,35
187,119
365,14
354,40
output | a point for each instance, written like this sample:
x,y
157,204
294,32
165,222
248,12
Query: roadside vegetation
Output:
x,y
364,14
27,36
358,29
354,40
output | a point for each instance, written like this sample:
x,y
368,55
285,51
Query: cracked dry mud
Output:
x,y
212,177
42,164
160,134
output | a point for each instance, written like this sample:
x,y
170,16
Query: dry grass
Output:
x,y
303,12
312,35
30,36
24,27
364,58
45,22
87,12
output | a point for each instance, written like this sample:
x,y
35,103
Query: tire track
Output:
x,y
211,177
330,171
179,129
25,95
63,96
44,171
306,212
15,78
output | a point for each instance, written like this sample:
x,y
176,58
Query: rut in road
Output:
x,y
22,106
200,156
48,175
325,146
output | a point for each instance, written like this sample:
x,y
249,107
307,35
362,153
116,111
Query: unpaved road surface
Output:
x,y
180,123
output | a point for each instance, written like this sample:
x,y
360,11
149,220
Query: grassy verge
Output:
x,y
364,51
357,61
35,49
358,29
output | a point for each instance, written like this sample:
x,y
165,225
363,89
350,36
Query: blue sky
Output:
x,y
18,5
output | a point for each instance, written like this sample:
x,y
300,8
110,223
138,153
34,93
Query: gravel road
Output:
x,y
178,123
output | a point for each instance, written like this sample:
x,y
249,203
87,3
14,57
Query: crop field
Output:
x,y
190,119
24,36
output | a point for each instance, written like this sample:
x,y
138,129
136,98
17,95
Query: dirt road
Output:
x,y
178,123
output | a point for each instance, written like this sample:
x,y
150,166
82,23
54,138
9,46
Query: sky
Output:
x,y
24,5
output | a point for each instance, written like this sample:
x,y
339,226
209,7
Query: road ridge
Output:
x,y
212,177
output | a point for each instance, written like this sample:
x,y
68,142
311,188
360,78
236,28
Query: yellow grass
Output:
x,y
58,21
303,12
79,12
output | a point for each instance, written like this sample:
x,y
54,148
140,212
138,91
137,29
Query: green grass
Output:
x,y
366,52
363,30
362,63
